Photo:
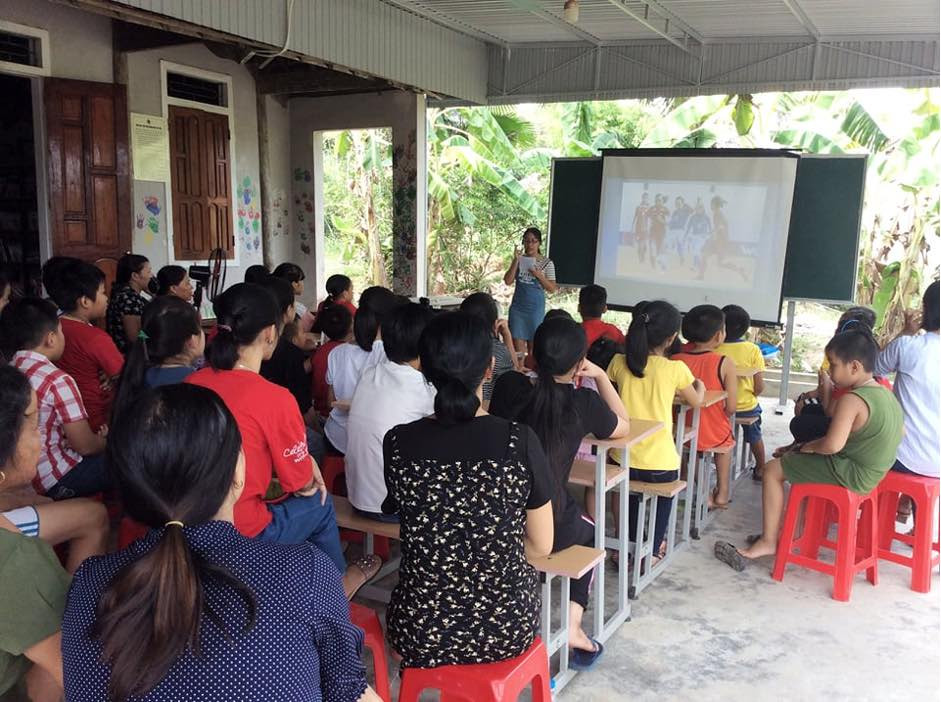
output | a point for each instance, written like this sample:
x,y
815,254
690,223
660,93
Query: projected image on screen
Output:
x,y
690,229
694,229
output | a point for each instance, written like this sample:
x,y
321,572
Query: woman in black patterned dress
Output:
x,y
473,494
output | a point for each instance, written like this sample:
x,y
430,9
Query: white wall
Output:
x,y
144,96
79,42
280,244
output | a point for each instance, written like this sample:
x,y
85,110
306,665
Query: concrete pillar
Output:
x,y
409,199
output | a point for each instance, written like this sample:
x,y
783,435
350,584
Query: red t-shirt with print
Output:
x,y
274,439
595,329
90,353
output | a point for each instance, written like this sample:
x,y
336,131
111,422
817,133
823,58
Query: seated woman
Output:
x,y
32,583
126,301
195,606
175,280
472,492
561,416
273,434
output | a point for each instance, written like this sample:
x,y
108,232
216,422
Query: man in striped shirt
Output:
x,y
70,462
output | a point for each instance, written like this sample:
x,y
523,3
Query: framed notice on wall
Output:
x,y
150,147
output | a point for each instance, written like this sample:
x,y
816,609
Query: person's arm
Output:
x,y
284,432
546,276
47,654
389,505
693,393
131,324
730,383
503,329
759,383
889,358
609,395
539,531
850,410
510,274
82,439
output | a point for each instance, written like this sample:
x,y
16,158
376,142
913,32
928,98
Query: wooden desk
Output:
x,y
695,513
604,477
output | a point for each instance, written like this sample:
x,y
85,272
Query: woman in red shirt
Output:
x,y
274,439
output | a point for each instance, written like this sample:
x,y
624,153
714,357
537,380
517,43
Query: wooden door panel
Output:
x,y
89,178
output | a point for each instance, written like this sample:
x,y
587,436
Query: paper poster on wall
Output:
x,y
150,147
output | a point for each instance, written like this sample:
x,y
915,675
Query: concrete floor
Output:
x,y
704,632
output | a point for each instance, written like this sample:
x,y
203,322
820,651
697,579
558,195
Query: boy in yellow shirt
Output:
x,y
746,355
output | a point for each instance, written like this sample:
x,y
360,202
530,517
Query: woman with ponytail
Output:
x,y
166,350
473,495
274,438
347,362
647,382
339,292
561,416
195,606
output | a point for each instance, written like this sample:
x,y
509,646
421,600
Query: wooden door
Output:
x,y
89,182
200,179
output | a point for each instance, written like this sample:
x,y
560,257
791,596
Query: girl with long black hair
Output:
x,y
562,415
195,606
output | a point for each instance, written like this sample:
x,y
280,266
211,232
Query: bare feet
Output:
x,y
715,503
579,639
761,547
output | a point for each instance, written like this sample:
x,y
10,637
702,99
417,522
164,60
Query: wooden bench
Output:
x,y
348,518
643,549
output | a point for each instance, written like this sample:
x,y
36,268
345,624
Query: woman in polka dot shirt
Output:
x,y
194,610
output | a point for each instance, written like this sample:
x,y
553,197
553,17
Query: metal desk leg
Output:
x,y
686,500
600,501
639,541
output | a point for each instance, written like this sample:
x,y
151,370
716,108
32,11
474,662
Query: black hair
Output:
x,y
282,291
702,323
5,281
167,323
602,350
173,456
334,321
558,345
25,322
455,352
652,325
242,312
534,231
737,322
557,313
857,317
374,305
128,265
337,284
291,272
482,305
256,273
592,300
929,308
401,330
855,345
52,272
14,400
168,276
76,279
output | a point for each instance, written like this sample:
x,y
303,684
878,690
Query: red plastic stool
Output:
x,y
483,682
130,531
926,553
856,540
367,620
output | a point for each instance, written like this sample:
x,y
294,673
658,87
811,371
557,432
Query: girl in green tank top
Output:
x,y
856,453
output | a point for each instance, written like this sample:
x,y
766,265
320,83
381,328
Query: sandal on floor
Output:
x,y
580,659
368,565
728,554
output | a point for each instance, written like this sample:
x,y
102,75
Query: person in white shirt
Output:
x,y
391,393
914,359
347,362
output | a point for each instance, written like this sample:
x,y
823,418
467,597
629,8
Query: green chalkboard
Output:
x,y
823,242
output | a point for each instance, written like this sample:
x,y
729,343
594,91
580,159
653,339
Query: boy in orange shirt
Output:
x,y
704,329
592,304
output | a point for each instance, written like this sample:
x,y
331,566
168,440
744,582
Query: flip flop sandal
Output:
x,y
582,660
368,565
728,554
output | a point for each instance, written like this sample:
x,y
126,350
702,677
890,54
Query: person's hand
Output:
x,y
517,252
316,485
105,381
590,370
912,322
538,274
103,431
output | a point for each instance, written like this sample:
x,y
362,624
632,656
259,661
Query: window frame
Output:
x,y
45,57
228,111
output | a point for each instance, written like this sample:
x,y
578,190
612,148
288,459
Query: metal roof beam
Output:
x,y
644,21
558,22
676,20
446,20
795,7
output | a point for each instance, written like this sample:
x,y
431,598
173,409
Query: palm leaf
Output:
x,y
862,128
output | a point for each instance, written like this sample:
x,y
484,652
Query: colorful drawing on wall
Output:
x,y
249,216
304,210
279,211
148,219
302,174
